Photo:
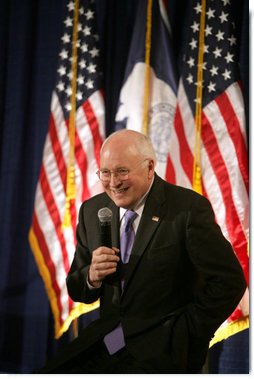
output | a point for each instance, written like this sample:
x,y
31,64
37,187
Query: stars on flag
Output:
x,y
219,55
88,58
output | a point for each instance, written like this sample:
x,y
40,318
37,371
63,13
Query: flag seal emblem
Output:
x,y
160,115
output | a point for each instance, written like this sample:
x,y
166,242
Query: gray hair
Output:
x,y
140,142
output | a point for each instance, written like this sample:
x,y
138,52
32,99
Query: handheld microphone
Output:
x,y
105,217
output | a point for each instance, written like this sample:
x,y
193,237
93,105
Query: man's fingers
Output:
x,y
104,254
106,250
104,262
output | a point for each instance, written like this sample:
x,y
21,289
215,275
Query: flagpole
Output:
x,y
70,181
147,67
197,176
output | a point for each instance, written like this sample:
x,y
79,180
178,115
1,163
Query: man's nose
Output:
x,y
114,179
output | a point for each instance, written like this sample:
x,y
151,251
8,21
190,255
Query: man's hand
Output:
x,y
104,262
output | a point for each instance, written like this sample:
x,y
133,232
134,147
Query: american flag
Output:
x,y
70,158
208,142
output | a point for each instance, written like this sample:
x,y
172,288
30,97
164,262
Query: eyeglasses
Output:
x,y
120,173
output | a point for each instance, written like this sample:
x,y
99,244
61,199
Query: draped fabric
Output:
x,y
70,157
30,34
208,149
27,71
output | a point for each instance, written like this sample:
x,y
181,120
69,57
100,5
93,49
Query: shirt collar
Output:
x,y
139,206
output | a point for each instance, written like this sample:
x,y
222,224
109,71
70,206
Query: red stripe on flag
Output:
x,y
57,149
165,3
170,171
55,216
234,130
235,231
204,193
48,262
186,156
81,159
94,127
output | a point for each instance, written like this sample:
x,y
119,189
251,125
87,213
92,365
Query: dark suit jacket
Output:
x,y
183,279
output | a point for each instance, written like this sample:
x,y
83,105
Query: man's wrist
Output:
x,y
93,284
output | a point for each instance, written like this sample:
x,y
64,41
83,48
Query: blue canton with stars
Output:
x,y
89,76
219,61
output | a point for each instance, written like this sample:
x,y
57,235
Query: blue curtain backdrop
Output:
x,y
30,33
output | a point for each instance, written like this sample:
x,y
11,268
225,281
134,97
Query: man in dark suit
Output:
x,y
181,282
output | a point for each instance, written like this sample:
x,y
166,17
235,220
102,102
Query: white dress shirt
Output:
x,y
138,208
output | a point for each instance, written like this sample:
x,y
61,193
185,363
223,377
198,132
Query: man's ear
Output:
x,y
151,168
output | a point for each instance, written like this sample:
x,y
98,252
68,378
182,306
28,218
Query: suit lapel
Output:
x,y
150,221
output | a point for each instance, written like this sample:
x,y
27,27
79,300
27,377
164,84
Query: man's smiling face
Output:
x,y
121,152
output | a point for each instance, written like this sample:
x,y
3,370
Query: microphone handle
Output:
x,y
105,237
105,234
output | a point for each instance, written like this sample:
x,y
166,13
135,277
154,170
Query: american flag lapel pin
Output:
x,y
155,218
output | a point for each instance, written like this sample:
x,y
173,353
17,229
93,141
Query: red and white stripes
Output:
x,y
224,162
53,244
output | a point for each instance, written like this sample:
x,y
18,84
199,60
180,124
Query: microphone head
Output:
x,y
105,215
